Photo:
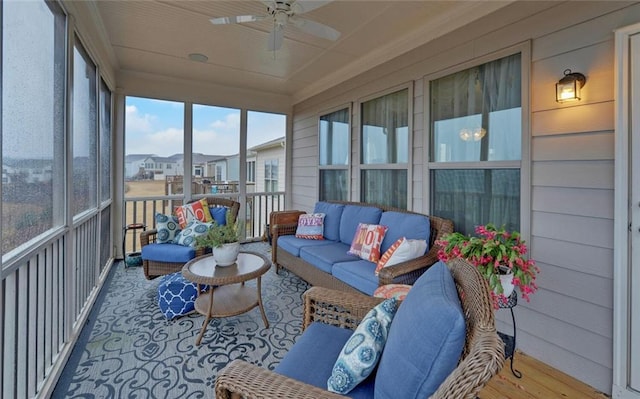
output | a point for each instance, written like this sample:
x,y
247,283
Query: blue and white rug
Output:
x,y
129,350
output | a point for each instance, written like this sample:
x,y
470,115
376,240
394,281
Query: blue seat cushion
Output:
x,y
323,257
172,253
425,340
176,295
332,216
410,226
359,274
312,357
292,244
354,215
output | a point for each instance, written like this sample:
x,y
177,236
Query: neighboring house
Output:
x,y
27,171
134,165
270,165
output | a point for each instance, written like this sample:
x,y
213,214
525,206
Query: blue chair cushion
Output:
x,y
293,244
219,214
176,295
407,225
332,216
323,257
360,274
173,253
352,216
426,338
312,357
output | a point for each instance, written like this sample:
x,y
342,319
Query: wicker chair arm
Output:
x,y
485,359
147,237
338,308
241,379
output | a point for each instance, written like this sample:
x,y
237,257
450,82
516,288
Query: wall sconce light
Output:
x,y
472,134
568,88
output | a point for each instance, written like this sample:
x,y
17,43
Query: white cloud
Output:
x,y
136,123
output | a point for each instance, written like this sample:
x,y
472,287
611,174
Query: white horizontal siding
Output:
x,y
568,323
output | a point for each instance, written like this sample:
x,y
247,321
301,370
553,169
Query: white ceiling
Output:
x,y
156,37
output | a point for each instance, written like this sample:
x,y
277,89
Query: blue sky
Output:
x,y
156,127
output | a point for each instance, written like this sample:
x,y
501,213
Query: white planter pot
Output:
x,y
507,284
227,254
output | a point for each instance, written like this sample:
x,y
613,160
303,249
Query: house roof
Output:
x,y
268,144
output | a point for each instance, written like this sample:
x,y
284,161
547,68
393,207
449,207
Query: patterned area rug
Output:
x,y
129,350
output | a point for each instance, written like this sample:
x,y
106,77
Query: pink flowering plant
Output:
x,y
493,251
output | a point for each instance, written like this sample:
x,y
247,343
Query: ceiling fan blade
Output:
x,y
275,39
302,6
316,28
238,19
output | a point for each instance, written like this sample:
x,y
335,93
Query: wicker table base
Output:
x,y
229,295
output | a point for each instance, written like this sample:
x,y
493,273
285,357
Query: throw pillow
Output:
x,y
194,229
361,352
168,228
401,251
367,240
311,226
219,214
198,210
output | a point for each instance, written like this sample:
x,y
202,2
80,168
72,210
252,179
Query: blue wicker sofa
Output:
x,y
327,263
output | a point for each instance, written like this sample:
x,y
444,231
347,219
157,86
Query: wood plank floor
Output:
x,y
539,381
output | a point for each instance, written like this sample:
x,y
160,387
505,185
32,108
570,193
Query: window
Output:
x,y
271,175
384,149
251,171
105,142
476,145
334,136
153,132
33,115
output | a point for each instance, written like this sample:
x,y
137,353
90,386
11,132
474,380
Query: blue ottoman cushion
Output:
x,y
176,295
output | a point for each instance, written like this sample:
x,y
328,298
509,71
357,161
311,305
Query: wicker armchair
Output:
x,y
286,222
482,355
153,269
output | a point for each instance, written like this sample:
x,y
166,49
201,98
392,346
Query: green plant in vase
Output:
x,y
224,240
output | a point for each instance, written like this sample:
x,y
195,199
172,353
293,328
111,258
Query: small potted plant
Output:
x,y
224,241
499,255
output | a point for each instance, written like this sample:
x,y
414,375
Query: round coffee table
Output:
x,y
232,296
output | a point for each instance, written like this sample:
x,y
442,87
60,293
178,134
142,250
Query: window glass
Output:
x,y
385,129
216,147
476,116
33,114
85,157
385,187
154,135
334,138
266,146
105,142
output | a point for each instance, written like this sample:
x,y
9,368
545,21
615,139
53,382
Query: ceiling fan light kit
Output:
x,y
282,13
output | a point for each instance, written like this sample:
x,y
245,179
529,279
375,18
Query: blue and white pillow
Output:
x,y
363,349
168,228
194,229
176,295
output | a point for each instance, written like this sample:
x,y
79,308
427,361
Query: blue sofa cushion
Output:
x,y
407,225
332,216
359,274
176,295
312,357
292,244
426,338
173,253
323,257
352,216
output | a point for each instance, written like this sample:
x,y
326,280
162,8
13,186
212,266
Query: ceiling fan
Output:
x,y
282,13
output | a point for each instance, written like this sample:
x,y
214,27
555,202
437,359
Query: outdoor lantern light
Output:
x,y
568,88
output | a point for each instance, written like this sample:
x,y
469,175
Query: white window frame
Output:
x,y
525,162
348,166
358,166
